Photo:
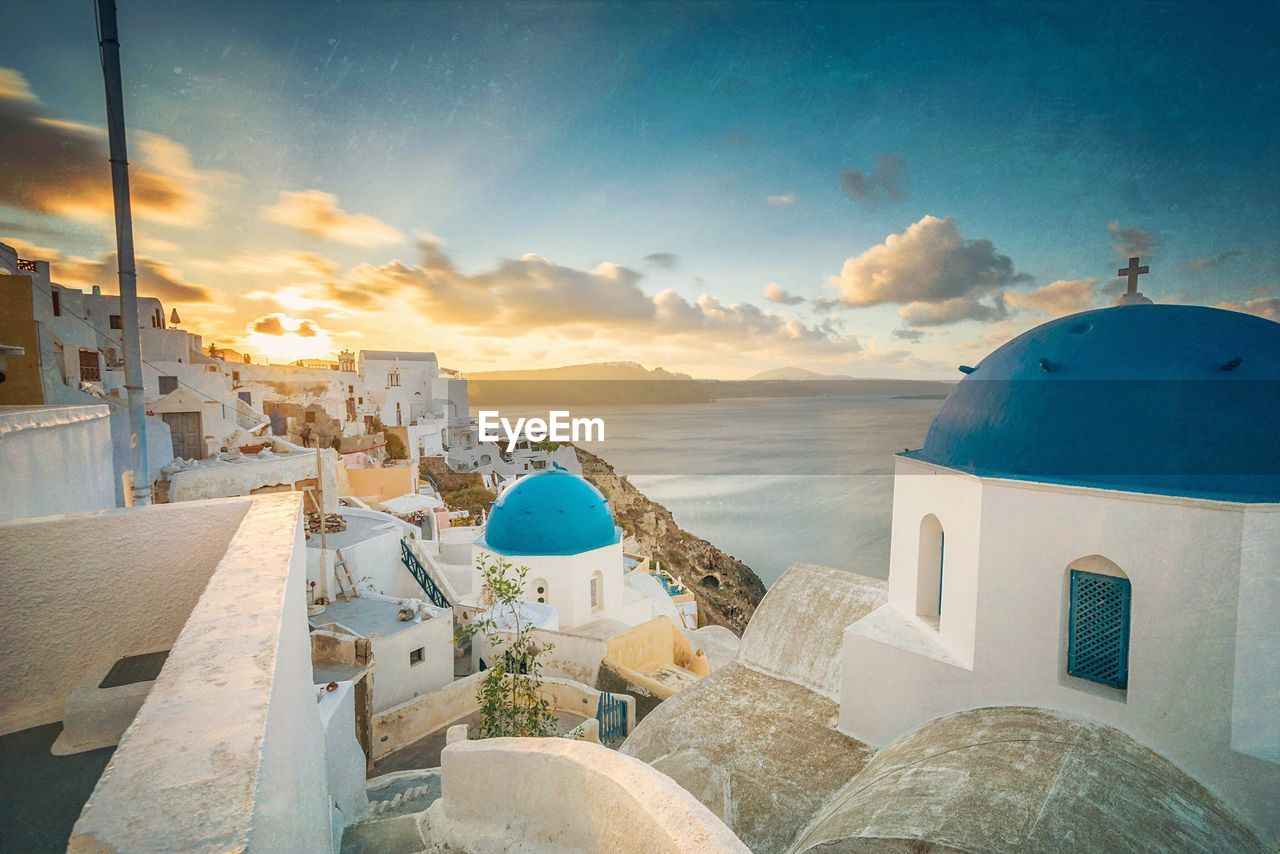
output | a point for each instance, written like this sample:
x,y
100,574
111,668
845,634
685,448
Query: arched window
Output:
x,y
1099,603
539,589
929,571
597,591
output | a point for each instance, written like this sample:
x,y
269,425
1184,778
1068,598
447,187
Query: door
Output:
x,y
188,438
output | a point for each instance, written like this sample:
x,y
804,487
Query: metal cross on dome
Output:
x,y
1132,272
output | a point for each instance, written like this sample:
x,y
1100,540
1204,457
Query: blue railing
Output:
x,y
419,573
612,715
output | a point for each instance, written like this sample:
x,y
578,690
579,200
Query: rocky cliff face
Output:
x,y
726,588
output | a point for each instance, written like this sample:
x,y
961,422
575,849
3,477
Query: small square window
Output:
x,y
168,384
116,322
415,656
309,417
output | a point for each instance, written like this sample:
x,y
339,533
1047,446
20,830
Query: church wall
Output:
x,y
920,491
568,580
1183,558
1255,722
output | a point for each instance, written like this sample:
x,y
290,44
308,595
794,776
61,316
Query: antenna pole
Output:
x,y
109,51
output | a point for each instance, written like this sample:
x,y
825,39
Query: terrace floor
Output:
x,y
41,795
425,752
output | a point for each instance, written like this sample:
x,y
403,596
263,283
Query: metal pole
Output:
x,y
109,51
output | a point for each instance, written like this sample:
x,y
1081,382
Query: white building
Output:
x,y
561,528
1092,526
1075,646
67,360
53,461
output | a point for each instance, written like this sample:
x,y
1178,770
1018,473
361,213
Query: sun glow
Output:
x,y
282,338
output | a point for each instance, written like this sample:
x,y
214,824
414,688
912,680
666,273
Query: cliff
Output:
x,y
726,588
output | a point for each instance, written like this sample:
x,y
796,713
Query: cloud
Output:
x,y
52,166
1268,307
912,335
1128,242
275,324
936,274
879,185
1216,260
533,295
1066,296
774,292
782,199
317,213
13,86
664,260
269,325
155,277
290,263
953,310
26,249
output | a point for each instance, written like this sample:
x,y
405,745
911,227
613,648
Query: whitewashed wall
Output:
x,y
53,461
1014,544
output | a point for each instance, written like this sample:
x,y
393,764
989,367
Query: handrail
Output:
x,y
420,574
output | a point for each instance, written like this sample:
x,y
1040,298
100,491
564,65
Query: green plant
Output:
x,y
510,702
395,447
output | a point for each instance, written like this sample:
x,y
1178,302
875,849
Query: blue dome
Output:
x,y
1172,399
550,513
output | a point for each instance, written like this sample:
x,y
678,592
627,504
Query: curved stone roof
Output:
x,y
797,631
760,752
550,513
1023,779
1172,399
756,741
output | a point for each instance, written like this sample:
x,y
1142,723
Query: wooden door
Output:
x,y
188,437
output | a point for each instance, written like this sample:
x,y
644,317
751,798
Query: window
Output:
x,y
1098,628
235,376
57,302
393,379
309,416
929,569
89,369
415,656
397,424
116,322
540,589
351,389
168,384
597,592
157,320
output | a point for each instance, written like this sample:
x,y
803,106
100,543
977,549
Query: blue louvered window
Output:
x,y
1098,634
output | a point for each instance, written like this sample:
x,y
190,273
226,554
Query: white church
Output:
x,y
561,528
1076,644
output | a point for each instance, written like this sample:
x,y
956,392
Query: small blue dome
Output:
x,y
550,513
1172,399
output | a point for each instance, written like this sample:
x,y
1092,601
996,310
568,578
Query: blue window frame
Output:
x,y
1098,631
942,561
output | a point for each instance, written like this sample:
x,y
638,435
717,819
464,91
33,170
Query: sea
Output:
x,y
773,481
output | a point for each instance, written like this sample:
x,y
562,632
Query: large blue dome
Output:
x,y
550,513
1173,399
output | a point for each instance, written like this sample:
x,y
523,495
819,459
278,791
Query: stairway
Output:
x,y
420,574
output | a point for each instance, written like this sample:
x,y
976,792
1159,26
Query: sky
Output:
x,y
879,190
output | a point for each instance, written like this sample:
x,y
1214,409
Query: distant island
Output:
x,y
632,383
794,375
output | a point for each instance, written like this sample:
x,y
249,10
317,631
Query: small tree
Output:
x,y
395,447
510,702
